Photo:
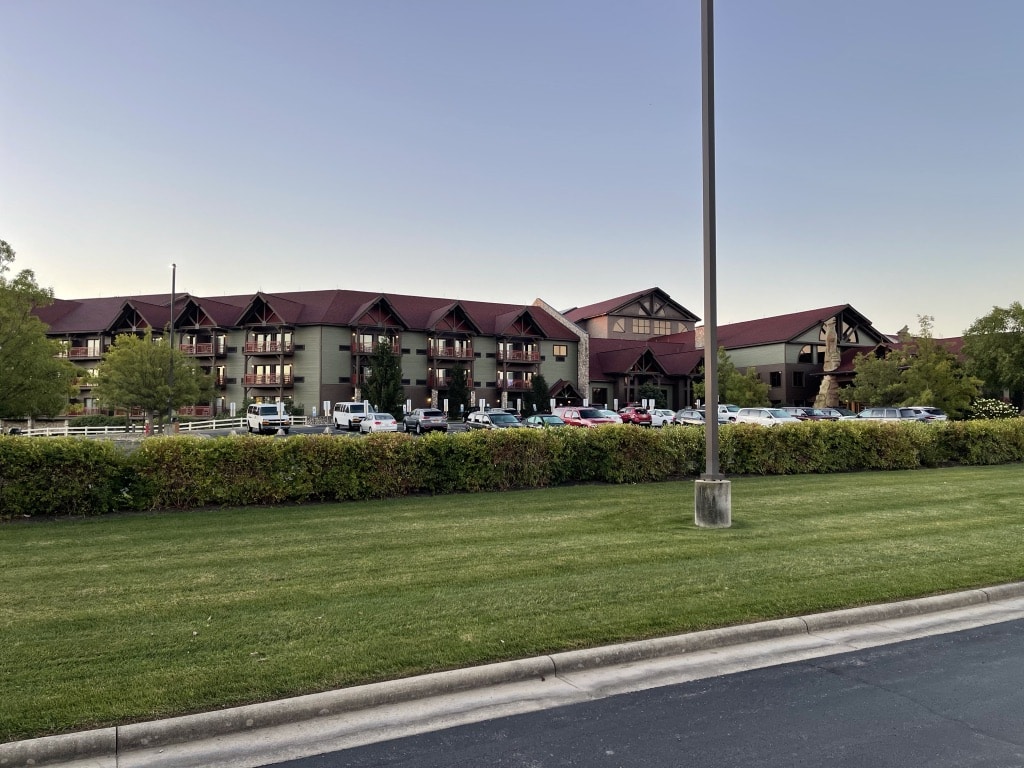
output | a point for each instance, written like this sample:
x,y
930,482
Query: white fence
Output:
x,y
182,426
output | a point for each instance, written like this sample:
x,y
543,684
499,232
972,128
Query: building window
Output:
x,y
618,325
662,327
560,350
641,325
798,378
775,379
806,354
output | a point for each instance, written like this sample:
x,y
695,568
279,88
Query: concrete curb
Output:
x,y
103,746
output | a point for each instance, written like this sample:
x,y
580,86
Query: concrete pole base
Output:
x,y
712,503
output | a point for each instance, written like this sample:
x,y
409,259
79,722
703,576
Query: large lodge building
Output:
x,y
312,348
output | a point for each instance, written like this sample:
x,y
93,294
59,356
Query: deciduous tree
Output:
x,y
918,371
135,371
34,381
743,389
994,348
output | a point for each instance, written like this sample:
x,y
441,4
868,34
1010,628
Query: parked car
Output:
x,y
635,414
543,421
492,420
887,414
766,417
807,413
661,417
583,417
931,413
267,417
378,422
348,415
729,410
616,419
837,412
695,417
425,420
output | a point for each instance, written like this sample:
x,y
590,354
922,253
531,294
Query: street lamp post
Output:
x,y
170,351
713,499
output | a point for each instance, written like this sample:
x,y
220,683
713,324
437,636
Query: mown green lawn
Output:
x,y
108,620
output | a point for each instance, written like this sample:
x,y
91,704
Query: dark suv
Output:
x,y
425,420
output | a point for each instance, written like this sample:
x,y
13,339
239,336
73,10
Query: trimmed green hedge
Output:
x,y
75,476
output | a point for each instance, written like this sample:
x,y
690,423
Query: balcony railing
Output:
x,y
79,353
360,348
518,356
518,385
269,347
196,410
135,413
267,380
205,349
439,382
438,351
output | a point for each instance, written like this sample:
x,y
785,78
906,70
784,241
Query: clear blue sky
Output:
x,y
868,152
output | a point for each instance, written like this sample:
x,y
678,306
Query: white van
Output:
x,y
267,417
349,415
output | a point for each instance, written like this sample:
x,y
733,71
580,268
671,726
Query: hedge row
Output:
x,y
74,476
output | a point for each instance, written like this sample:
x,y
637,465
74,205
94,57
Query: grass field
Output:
x,y
109,620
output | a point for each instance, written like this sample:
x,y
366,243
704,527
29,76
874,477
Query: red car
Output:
x,y
582,416
635,414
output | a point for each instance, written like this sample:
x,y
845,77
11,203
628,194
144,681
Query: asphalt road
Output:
x,y
948,700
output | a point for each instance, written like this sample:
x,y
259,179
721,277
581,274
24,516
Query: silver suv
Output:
x,y
887,414
492,420
425,420
766,417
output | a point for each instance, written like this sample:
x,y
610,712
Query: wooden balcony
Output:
x,y
439,382
443,352
367,349
269,348
517,385
202,411
84,353
266,380
205,349
518,356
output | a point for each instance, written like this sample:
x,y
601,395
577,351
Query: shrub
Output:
x,y
66,476
988,408
75,476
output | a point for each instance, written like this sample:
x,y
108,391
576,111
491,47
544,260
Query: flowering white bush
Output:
x,y
989,408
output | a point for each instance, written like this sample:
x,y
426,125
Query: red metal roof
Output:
x,y
332,307
773,330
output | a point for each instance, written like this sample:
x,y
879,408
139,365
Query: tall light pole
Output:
x,y
170,351
713,493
